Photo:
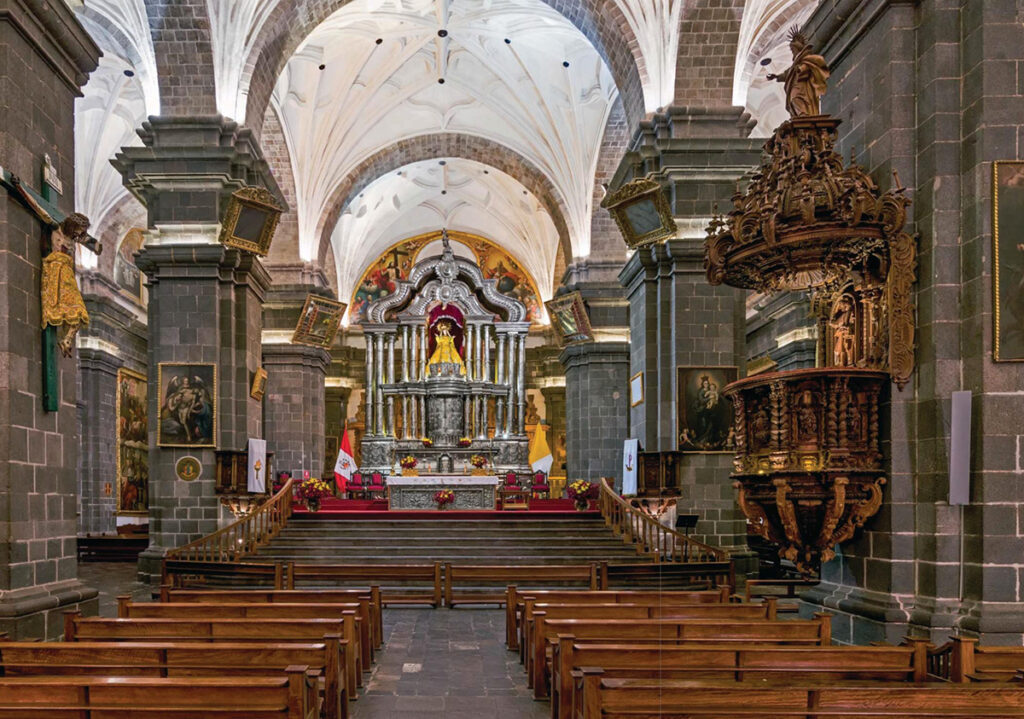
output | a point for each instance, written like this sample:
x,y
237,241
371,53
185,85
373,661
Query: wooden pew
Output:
x,y
78,628
962,660
375,574
186,573
291,696
127,609
514,599
757,662
182,659
539,641
678,575
288,596
797,632
606,698
539,575
778,588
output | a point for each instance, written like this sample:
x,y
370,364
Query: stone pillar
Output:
x,y
205,304
45,55
596,404
294,407
98,459
335,420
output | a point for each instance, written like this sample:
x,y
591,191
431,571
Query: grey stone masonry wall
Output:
x,y
44,58
555,416
335,409
932,90
115,338
780,327
596,403
294,407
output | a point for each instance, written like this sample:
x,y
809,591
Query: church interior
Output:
x,y
511,358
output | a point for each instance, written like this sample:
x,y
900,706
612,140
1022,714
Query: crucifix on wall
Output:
x,y
63,310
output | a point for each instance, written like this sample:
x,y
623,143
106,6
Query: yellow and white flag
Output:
x,y
540,453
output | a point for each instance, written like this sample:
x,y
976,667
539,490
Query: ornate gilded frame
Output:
x,y
997,356
571,302
213,397
257,199
324,305
634,193
259,384
124,372
633,392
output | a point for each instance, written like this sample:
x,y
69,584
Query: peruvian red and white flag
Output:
x,y
346,463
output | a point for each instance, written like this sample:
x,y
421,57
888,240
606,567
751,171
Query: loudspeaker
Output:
x,y
960,449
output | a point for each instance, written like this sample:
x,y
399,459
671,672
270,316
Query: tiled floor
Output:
x,y
436,663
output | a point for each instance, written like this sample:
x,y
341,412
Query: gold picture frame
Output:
x,y
250,220
642,213
636,389
259,384
190,418
569,318
1008,261
319,321
704,421
131,451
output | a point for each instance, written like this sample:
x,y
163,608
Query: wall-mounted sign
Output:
x,y
188,468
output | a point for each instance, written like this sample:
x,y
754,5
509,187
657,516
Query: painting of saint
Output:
x,y
318,321
1009,261
132,443
188,409
569,318
510,278
705,416
382,277
126,275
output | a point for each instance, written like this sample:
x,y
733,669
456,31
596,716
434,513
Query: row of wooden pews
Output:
x,y
704,653
294,654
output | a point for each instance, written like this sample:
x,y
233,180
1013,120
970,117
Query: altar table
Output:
x,y
471,492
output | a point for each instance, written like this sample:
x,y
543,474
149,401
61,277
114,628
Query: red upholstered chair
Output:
x,y
356,490
376,486
512,494
540,487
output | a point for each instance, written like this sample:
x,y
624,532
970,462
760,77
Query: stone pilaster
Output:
x,y
97,474
205,303
44,58
596,404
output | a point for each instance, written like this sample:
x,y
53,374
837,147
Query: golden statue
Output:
x,y
445,352
805,80
63,306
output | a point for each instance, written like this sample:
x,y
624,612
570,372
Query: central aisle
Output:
x,y
446,663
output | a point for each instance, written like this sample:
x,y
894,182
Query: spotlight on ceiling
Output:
x,y
507,41
322,67
766,61
379,40
442,162
442,33
129,73
565,63
440,81
444,192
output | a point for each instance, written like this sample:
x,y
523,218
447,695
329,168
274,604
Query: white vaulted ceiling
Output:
x,y
454,193
381,64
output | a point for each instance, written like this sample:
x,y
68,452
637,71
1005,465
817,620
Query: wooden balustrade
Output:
x,y
648,535
243,537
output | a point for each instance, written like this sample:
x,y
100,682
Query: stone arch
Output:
x,y
285,248
429,147
292,22
605,239
184,56
709,32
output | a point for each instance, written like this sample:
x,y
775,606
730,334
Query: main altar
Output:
x,y
445,361
418,492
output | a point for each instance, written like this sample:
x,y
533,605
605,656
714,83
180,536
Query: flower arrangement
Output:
x,y
444,497
582,489
427,442
312,490
408,462
465,442
478,460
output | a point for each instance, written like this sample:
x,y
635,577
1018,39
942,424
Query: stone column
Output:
x,y
294,407
205,304
45,55
335,419
98,458
596,416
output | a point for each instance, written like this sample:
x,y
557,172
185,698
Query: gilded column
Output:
x,y
521,384
371,423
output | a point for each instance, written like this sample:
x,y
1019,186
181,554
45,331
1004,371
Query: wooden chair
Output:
x,y
512,495
539,486
376,487
356,489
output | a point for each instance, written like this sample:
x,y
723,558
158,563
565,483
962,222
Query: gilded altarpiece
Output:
x,y
132,444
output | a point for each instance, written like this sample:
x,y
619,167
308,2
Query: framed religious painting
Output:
x,y
127,276
188,405
1008,261
318,321
132,443
250,220
569,318
642,212
636,389
259,384
704,415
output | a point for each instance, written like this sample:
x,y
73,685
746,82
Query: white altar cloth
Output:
x,y
471,492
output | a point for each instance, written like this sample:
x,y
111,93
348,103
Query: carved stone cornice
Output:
x,y
50,27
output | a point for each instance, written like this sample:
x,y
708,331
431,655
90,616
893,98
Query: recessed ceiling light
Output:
x,y
444,192
129,73
442,33
442,162
507,41
440,81
766,61
322,67
380,40
565,63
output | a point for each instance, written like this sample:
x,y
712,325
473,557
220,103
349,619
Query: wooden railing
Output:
x,y
650,536
241,538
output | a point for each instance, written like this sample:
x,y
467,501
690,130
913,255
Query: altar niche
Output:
x,y
441,350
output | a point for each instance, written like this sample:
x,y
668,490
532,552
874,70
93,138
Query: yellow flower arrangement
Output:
x,y
408,462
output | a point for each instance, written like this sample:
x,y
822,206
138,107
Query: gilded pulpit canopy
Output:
x,y
805,80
